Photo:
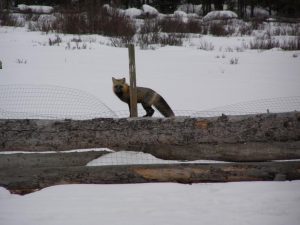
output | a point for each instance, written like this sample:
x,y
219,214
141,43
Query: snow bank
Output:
x,y
150,10
192,15
112,10
35,8
247,203
259,12
179,13
125,158
220,15
133,12
136,158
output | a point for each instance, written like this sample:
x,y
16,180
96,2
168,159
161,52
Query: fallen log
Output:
x,y
29,179
227,138
21,160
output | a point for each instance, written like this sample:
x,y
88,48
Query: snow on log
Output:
x,y
133,12
35,8
149,10
220,15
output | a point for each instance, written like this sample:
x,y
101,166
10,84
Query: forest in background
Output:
x,y
283,8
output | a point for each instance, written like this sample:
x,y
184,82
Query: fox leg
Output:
x,y
129,109
148,109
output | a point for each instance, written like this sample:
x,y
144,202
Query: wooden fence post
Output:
x,y
133,94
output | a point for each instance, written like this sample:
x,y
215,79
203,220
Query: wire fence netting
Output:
x,y
49,102
52,102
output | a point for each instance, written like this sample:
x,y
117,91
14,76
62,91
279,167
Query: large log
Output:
x,y
234,138
26,180
20,160
237,152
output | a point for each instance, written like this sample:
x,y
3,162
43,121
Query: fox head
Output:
x,y
119,85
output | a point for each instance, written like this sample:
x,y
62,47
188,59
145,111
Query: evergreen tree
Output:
x,y
219,4
166,6
206,6
242,8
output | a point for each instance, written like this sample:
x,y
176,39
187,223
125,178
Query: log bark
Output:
x,y
29,179
228,138
19,160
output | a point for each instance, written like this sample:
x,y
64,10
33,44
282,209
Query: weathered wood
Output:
x,y
228,138
48,159
133,90
237,152
25,180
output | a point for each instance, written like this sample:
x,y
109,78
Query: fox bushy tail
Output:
x,y
162,106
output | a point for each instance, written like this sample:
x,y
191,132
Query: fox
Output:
x,y
146,96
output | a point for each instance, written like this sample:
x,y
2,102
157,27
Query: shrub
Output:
x,y
264,44
172,39
150,26
115,24
7,19
207,46
291,44
73,23
99,20
234,61
56,41
245,29
286,29
194,26
257,24
172,25
269,43
21,61
40,23
177,25
149,33
218,29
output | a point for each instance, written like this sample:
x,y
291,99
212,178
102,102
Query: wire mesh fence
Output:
x,y
53,102
271,105
49,102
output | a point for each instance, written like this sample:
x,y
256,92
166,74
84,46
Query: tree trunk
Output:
x,y
23,180
241,8
230,138
218,4
252,9
206,7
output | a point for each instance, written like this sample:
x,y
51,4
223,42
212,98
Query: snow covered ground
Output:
x,y
137,158
189,78
268,203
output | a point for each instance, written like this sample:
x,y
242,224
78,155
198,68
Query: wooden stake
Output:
x,y
133,94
